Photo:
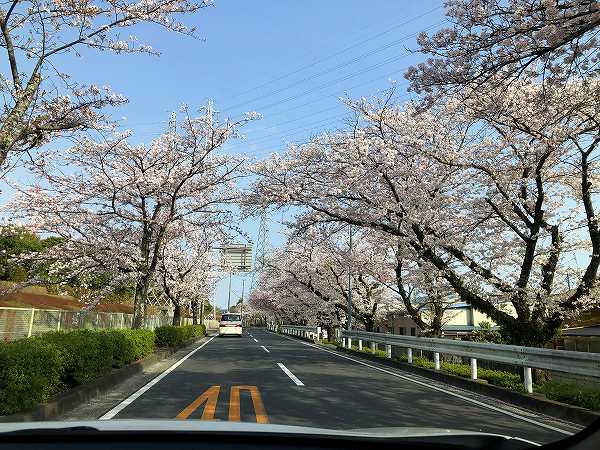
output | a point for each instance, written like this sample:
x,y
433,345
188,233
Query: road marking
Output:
x,y
454,394
210,397
265,349
290,374
121,406
255,340
234,404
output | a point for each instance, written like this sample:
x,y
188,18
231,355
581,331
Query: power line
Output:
x,y
331,69
287,131
339,52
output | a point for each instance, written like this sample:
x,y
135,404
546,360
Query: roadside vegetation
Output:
x,y
34,370
570,393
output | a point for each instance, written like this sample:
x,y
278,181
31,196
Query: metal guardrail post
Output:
x,y
349,342
360,344
528,381
436,360
388,350
344,342
473,369
409,355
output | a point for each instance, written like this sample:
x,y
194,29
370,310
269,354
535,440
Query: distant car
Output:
x,y
231,324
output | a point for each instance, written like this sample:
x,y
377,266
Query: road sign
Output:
x,y
237,258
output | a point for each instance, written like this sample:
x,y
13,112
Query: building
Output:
x,y
459,319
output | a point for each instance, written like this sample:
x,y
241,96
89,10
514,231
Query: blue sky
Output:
x,y
289,60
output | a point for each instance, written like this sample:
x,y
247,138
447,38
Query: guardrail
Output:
x,y
301,331
580,363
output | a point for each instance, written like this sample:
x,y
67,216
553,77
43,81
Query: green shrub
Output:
x,y
502,378
166,336
423,362
331,342
585,397
88,353
380,353
128,346
460,370
170,336
31,371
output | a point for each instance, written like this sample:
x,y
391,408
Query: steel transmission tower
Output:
x,y
262,247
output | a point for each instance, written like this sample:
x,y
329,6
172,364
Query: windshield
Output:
x,y
322,214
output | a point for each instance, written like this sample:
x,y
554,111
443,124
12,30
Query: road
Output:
x,y
264,377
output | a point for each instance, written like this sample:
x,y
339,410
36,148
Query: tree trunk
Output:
x,y
139,302
195,312
15,124
329,330
176,314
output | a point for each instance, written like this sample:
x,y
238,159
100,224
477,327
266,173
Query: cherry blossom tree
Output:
x,y
307,281
420,290
116,203
186,271
41,101
492,42
490,195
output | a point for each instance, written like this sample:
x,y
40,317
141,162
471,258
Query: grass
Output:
x,y
331,342
496,377
570,393
585,397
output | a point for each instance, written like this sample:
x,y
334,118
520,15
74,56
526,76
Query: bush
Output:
x,y
31,372
128,346
585,397
502,378
170,336
88,353
331,342
460,370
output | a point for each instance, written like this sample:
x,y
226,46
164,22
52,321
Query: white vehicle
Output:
x,y
231,324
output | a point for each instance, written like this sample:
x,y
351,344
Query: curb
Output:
x,y
72,398
548,407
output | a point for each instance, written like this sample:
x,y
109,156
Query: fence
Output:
x,y
579,363
17,323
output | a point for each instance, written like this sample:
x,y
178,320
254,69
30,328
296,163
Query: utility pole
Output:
x,y
242,302
349,313
229,294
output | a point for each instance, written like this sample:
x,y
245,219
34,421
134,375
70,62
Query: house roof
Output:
x,y
592,330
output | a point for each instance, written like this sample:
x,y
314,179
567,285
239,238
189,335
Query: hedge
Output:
x,y
170,336
87,353
33,370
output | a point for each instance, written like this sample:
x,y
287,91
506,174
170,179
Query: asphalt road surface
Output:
x,y
267,378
